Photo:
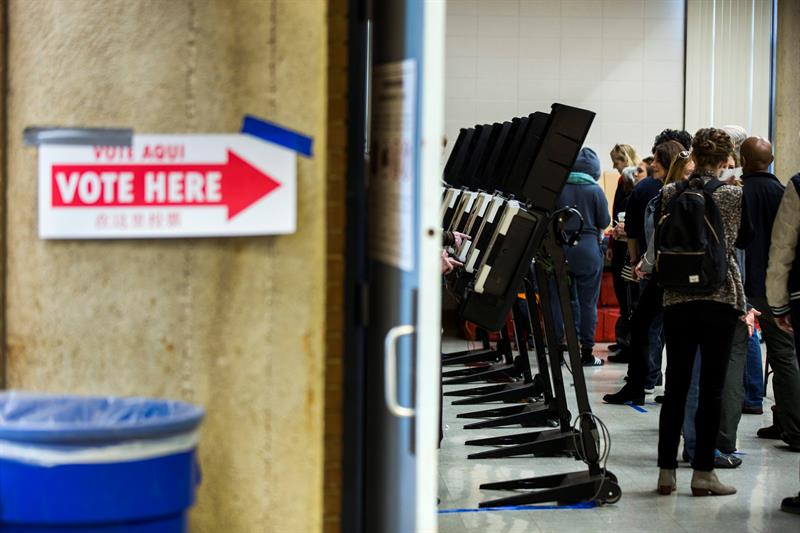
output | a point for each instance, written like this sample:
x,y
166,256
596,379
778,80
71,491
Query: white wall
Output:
x,y
728,64
622,59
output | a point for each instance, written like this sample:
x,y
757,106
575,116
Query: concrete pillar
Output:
x,y
787,126
236,325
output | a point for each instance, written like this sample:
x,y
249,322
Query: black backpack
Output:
x,y
690,239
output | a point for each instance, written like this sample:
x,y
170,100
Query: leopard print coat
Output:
x,y
729,201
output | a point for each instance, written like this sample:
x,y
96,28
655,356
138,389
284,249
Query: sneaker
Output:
x,y
624,396
726,460
752,410
791,505
649,391
770,432
588,358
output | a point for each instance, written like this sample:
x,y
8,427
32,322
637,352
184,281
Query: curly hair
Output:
x,y
711,147
681,136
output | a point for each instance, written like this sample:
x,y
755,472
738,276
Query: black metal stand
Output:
x,y
536,415
528,415
528,389
511,369
509,393
485,349
595,484
476,356
564,489
554,442
479,391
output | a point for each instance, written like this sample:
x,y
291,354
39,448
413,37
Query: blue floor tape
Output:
x,y
638,408
588,505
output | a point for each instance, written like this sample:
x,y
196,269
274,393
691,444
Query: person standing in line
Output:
x,y
783,279
704,321
764,193
646,318
585,259
625,161
733,388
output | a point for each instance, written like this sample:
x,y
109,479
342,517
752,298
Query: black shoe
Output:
x,y
614,347
794,445
659,398
791,505
624,396
619,357
752,410
770,432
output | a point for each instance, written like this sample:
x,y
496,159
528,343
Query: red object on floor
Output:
x,y
606,324
608,298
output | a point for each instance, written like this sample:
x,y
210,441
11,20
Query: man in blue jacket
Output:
x,y
585,259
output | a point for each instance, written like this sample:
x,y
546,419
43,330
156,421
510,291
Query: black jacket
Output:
x,y
763,193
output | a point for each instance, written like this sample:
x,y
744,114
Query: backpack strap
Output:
x,y
680,187
712,185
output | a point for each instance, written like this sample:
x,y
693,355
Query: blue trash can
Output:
x,y
96,464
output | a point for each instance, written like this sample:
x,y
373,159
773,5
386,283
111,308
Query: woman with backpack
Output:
x,y
702,221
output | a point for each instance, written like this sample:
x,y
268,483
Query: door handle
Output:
x,y
390,371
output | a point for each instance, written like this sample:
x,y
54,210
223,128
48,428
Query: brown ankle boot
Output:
x,y
666,481
707,484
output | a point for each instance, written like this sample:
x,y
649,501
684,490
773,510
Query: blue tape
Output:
x,y
638,408
277,134
586,505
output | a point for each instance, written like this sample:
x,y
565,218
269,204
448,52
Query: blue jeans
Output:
x,y
655,336
754,373
584,291
692,399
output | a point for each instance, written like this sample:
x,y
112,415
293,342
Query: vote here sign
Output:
x,y
167,186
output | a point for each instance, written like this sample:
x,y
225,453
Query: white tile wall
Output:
x,y
622,59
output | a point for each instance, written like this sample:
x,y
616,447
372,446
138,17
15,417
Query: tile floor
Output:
x,y
767,475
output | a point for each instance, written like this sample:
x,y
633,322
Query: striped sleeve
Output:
x,y
785,233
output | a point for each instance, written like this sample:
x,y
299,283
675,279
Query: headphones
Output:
x,y
560,220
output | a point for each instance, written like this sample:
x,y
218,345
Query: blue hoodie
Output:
x,y
583,193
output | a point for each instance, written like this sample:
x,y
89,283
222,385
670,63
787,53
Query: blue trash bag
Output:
x,y
65,419
96,464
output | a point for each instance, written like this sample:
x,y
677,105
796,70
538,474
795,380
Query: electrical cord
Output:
x,y
566,363
581,450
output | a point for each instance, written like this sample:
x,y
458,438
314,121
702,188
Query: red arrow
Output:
x,y
236,184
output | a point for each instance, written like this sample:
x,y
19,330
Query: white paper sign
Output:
x,y
392,172
167,186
